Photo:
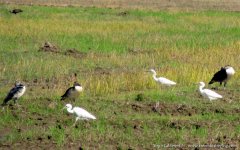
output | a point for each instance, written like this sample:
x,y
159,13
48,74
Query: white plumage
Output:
x,y
223,75
230,72
80,113
15,93
162,80
211,95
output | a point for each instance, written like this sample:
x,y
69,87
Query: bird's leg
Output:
x,y
225,83
220,86
75,121
15,102
215,88
74,124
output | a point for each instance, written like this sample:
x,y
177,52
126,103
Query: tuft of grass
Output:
x,y
58,135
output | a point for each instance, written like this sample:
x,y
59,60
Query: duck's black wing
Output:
x,y
11,94
67,93
219,76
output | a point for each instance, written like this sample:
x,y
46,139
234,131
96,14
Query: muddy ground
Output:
x,y
141,105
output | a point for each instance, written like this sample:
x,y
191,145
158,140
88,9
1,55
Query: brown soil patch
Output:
x,y
166,109
49,47
178,109
139,51
74,53
102,71
3,133
124,13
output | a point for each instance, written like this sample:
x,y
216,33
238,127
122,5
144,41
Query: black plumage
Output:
x,y
219,76
72,92
15,11
222,75
68,93
15,93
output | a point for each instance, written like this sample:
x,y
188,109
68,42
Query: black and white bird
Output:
x,y
15,93
16,11
73,92
223,75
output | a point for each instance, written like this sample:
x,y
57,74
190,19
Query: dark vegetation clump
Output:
x,y
124,13
139,97
49,47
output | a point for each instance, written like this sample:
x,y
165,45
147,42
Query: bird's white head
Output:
x,y
230,71
17,83
78,86
153,71
68,106
201,84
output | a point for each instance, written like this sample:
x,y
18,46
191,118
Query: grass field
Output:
x,y
113,49
226,5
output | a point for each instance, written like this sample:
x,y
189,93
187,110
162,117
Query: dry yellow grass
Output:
x,y
229,5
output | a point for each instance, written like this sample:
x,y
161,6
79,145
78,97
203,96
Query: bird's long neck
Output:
x,y
70,110
155,76
201,88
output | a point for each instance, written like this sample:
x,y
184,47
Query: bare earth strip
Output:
x,y
226,5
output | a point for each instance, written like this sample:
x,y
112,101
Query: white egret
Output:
x,y
211,95
15,93
162,80
223,75
72,92
80,113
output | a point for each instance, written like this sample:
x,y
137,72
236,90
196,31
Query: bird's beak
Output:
x,y
63,108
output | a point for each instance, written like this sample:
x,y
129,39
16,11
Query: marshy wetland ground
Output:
x,y
109,50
